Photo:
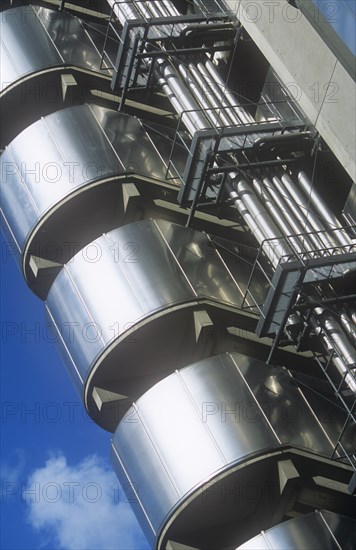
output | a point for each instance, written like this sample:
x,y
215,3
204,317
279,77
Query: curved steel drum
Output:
x,y
40,50
198,453
134,305
321,530
60,184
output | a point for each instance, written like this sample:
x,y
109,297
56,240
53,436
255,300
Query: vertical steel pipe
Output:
x,y
307,212
335,334
243,115
170,8
210,96
254,228
192,110
267,227
340,365
203,102
306,227
159,8
288,214
348,325
277,215
233,119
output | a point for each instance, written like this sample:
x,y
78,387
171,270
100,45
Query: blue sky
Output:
x,y
58,489
341,16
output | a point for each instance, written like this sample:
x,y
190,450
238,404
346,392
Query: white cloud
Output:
x,y
81,507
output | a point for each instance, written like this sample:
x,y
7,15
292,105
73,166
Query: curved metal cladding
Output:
x,y
38,46
321,530
134,305
198,452
60,184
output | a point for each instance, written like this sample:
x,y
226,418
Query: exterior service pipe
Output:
x,y
175,103
167,72
348,325
277,215
219,96
289,216
245,117
196,90
340,365
306,227
151,9
260,223
324,212
171,9
210,97
123,11
254,228
336,336
266,225
307,212
159,8
352,312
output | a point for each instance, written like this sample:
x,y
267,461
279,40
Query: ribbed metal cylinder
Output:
x,y
136,298
320,530
215,425
73,191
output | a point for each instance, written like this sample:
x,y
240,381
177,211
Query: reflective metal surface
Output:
x,y
48,62
201,422
34,38
321,530
59,181
135,304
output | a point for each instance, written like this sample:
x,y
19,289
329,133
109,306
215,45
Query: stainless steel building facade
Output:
x,y
180,189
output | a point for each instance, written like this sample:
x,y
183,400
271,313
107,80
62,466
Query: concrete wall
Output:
x,y
314,76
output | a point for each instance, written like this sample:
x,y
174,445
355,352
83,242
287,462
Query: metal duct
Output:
x,y
348,325
194,84
226,114
277,215
321,530
193,119
302,220
137,303
62,184
44,55
275,248
197,93
317,225
207,432
337,344
243,115
286,210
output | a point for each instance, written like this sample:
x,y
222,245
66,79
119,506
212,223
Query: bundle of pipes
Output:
x,y
203,90
338,340
286,223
